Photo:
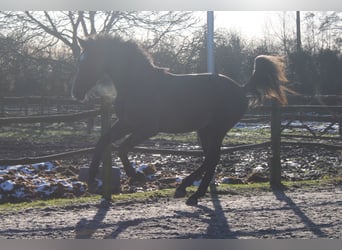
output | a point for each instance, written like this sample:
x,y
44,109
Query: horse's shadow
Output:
x,y
309,224
218,226
84,229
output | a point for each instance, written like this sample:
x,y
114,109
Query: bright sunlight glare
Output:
x,y
250,24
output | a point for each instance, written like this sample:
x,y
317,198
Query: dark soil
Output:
x,y
166,171
313,212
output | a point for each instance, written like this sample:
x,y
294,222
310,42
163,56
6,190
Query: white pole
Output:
x,y
210,58
210,42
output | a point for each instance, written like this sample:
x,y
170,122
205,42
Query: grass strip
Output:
x,y
223,189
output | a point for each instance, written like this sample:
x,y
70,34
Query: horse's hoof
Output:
x,y
179,194
192,201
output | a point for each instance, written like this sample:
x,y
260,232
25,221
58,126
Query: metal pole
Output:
x,y
210,42
210,60
299,39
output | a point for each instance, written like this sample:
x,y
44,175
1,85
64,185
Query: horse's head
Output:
x,y
112,56
90,68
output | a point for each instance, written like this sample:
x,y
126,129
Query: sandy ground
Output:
x,y
307,213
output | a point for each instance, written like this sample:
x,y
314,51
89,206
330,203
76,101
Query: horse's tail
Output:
x,y
268,80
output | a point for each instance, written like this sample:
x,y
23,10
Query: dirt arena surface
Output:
x,y
310,212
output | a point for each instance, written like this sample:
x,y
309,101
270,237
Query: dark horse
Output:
x,y
151,100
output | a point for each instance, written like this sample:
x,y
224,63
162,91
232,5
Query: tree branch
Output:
x,y
48,30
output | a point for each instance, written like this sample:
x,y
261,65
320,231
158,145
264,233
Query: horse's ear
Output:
x,y
83,43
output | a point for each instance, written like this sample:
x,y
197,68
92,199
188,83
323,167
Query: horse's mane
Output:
x,y
130,48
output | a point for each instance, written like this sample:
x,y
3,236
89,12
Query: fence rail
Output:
x,y
50,118
331,113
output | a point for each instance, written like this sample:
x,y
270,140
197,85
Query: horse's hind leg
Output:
x,y
212,157
213,152
188,181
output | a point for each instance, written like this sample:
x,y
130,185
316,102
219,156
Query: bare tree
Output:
x,y
311,32
8,64
332,21
182,53
330,27
52,27
280,33
322,30
287,31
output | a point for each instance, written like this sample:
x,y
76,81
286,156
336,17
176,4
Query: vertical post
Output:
x,y
210,42
275,168
26,103
43,104
298,31
107,158
2,106
210,60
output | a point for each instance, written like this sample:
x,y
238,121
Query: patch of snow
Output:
x,y
65,184
258,169
7,185
47,166
20,193
30,184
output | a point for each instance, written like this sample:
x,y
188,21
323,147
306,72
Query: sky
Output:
x,y
250,24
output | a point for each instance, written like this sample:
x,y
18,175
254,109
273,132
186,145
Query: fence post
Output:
x,y
275,168
107,158
2,106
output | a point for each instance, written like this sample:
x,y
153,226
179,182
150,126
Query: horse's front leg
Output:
x,y
132,140
116,132
188,181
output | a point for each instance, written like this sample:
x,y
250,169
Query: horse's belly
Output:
x,y
181,122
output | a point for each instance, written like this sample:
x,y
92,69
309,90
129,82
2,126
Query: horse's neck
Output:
x,y
138,77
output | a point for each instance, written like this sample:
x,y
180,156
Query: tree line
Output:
x,y
38,50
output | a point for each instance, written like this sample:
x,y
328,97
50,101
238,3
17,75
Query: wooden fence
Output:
x,y
327,113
